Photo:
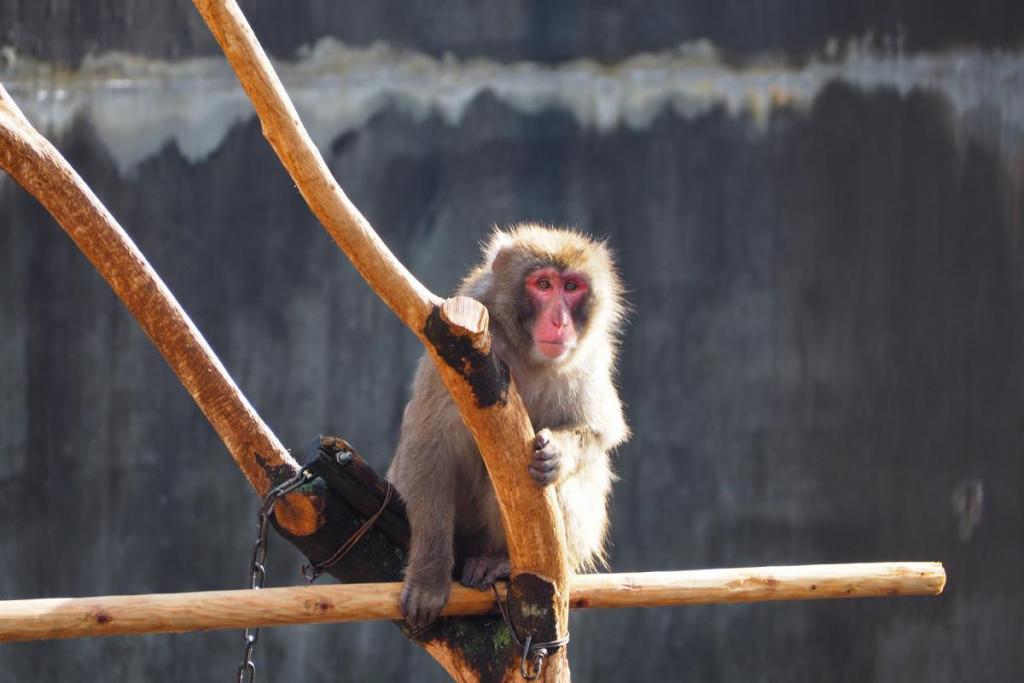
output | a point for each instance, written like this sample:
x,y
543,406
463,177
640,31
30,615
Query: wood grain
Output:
x,y
178,612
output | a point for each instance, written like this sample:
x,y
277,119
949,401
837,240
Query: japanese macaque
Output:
x,y
555,307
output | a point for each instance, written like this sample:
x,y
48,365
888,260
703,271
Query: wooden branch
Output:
x,y
34,163
409,299
179,612
314,519
758,584
454,334
453,331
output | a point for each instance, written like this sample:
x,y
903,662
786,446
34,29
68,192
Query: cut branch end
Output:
x,y
465,315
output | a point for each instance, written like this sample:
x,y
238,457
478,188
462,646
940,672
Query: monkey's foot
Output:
x,y
482,572
421,604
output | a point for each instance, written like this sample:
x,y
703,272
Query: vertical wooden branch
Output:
x,y
453,331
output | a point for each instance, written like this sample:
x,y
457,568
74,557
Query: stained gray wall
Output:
x,y
65,31
823,363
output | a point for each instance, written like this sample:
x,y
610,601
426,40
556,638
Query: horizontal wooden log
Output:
x,y
760,584
53,618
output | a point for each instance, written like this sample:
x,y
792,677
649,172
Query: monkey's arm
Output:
x,y
560,452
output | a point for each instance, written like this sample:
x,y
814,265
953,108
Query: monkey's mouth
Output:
x,y
553,349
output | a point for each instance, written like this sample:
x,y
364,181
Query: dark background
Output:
x,y
823,364
517,29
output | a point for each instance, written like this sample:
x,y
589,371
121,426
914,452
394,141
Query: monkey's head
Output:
x,y
552,292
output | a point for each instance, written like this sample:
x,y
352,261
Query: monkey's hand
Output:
x,y
422,601
546,463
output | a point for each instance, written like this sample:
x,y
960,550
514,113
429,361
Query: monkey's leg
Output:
x,y
486,551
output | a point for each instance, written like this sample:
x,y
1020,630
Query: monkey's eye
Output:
x,y
543,283
571,286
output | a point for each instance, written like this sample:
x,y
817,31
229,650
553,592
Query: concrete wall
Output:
x,y
822,234
65,31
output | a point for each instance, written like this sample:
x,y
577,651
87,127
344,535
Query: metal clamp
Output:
x,y
531,662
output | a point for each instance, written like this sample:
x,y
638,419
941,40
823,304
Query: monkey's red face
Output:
x,y
556,297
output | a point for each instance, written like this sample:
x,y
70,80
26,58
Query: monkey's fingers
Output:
x,y
501,569
473,572
546,460
549,454
542,439
545,464
407,606
482,572
421,606
544,476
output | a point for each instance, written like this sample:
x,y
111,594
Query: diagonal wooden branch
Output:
x,y
316,518
453,331
34,163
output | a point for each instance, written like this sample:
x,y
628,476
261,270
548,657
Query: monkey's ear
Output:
x,y
502,258
499,249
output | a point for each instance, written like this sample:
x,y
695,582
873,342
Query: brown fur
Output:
x,y
572,403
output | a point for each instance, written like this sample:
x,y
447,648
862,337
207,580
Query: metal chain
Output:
x,y
534,654
247,669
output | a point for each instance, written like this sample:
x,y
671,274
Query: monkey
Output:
x,y
555,303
